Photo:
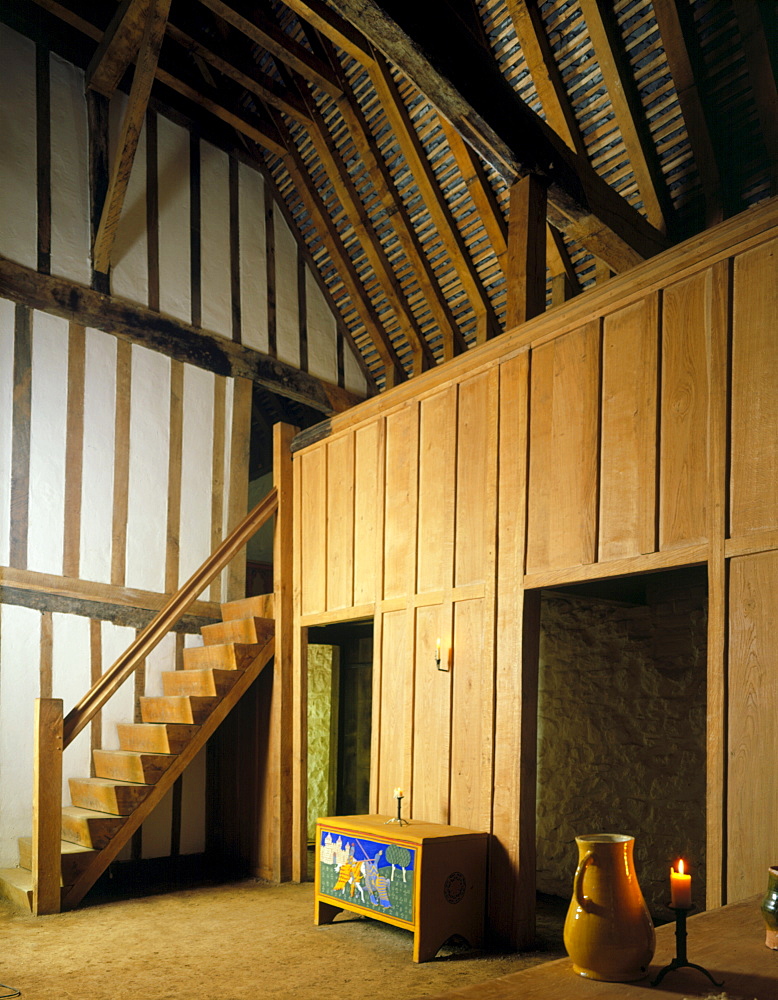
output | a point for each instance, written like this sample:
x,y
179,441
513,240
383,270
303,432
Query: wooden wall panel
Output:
x,y
628,436
368,510
754,500
472,741
686,344
562,510
340,522
400,501
476,478
313,540
437,472
752,805
432,718
395,700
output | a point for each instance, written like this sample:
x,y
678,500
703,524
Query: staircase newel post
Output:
x,y
47,806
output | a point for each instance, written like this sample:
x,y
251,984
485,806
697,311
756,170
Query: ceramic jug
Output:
x,y
769,908
608,933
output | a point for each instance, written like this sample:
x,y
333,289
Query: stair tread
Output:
x,y
81,812
66,847
260,606
111,782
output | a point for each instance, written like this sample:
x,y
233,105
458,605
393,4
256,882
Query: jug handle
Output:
x,y
583,864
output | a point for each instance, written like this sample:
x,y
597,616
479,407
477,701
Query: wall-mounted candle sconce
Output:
x,y
441,663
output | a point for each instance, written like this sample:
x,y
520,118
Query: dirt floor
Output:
x,y
240,941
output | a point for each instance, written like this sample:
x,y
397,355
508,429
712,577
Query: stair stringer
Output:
x,y
98,865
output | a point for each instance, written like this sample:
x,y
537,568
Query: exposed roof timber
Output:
x,y
330,237
625,100
528,24
145,68
385,188
282,47
255,82
559,262
754,36
683,56
467,87
526,251
118,47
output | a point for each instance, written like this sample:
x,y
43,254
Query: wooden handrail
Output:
x,y
177,606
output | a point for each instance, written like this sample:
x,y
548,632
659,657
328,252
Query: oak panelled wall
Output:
x,y
631,430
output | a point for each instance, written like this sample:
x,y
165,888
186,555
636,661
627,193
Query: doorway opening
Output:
x,y
340,708
621,741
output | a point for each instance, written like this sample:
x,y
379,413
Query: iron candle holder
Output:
x,y
398,818
680,961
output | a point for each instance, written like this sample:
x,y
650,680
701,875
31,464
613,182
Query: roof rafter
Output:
x,y
470,91
118,47
754,36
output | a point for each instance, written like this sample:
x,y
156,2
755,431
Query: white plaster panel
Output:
x,y
287,306
48,424
196,470
192,639
129,257
7,311
156,829
19,687
175,292
353,376
160,659
18,156
322,333
98,456
71,679
70,228
149,447
193,806
215,240
115,640
253,259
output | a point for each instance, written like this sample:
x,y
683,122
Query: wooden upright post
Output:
x,y
47,806
281,713
526,251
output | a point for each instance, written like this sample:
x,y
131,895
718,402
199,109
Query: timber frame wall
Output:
x,y
632,429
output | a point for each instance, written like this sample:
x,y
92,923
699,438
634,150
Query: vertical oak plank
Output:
x,y
526,251
20,436
340,522
629,431
47,806
718,316
313,544
400,501
368,506
121,471
564,425
396,693
755,391
752,811
686,339
511,913
437,471
431,717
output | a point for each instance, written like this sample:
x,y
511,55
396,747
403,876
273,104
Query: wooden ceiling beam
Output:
x,y
118,47
145,69
281,46
468,88
559,262
384,186
330,238
630,116
528,24
526,252
682,51
255,82
760,69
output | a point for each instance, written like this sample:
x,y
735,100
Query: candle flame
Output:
x,y
680,866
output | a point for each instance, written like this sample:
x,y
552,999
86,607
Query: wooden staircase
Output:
x,y
129,782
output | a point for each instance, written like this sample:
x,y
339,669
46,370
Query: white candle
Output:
x,y
398,793
680,888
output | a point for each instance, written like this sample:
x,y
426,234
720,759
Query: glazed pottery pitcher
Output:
x,y
770,908
608,934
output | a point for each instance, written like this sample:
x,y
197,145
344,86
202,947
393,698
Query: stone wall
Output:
x,y
621,740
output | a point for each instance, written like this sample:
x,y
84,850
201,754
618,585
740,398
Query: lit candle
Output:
x,y
398,793
437,651
680,888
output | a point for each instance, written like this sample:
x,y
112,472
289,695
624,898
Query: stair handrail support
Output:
x,y
113,678
47,806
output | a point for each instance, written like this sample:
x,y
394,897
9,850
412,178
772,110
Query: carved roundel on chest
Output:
x,y
454,887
